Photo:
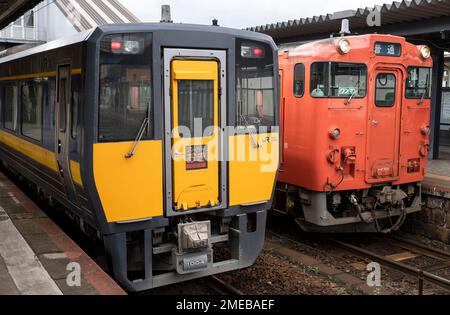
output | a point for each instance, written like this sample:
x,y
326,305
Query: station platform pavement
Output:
x,y
38,258
437,180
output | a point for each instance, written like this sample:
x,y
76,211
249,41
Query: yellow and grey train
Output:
x,y
106,124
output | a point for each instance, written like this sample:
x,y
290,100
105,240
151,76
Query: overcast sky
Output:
x,y
242,13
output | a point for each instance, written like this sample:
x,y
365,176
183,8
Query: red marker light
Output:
x,y
258,52
116,45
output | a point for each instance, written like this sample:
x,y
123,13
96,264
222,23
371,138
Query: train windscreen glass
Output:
x,y
418,83
125,86
338,80
255,86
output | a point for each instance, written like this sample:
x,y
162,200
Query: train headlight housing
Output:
x,y
252,51
425,52
125,45
335,133
344,46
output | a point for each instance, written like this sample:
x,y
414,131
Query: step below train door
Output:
x,y
195,175
384,124
63,128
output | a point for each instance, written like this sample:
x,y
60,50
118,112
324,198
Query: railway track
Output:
x,y
421,248
420,273
222,287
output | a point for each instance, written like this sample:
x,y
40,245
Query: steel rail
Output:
x,y
223,286
422,248
412,271
406,269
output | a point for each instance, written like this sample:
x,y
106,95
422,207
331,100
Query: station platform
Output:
x,y
38,258
437,180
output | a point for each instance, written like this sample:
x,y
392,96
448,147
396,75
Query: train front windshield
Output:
x,y
418,84
338,80
125,86
255,82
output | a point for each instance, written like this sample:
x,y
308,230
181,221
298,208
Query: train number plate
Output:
x,y
196,157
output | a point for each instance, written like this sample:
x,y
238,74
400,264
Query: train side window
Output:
x,y
75,106
385,90
125,87
320,79
10,97
299,80
31,103
62,104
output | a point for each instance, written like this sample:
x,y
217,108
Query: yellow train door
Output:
x,y
195,134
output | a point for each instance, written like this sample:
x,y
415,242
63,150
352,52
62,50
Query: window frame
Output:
x,y
395,90
431,82
22,85
329,80
17,118
304,80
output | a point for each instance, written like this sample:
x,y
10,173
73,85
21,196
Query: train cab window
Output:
x,y
385,90
418,83
255,88
299,80
338,80
10,112
31,105
196,105
125,87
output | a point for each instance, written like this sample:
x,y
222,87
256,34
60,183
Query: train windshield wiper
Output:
x,y
349,101
139,136
425,90
252,135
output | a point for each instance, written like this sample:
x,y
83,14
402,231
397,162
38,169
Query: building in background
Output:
x,y
53,19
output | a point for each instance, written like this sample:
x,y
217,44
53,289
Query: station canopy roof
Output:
x,y
11,10
391,14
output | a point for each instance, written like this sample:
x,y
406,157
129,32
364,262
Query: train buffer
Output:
x,y
38,258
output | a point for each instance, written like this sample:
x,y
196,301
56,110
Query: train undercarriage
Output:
x,y
380,209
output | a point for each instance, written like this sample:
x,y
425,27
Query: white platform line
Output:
x,y
25,269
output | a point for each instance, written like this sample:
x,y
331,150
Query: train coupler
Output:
x,y
194,252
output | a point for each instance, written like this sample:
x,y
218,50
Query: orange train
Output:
x,y
355,129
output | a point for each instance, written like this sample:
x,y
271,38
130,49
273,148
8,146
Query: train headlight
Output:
x,y
126,45
335,133
344,46
425,52
252,51
426,130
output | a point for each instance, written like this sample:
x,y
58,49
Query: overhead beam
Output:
x,y
11,10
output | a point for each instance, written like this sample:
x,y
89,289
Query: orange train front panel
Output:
x,y
367,130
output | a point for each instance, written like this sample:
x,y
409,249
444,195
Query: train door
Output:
x,y
197,180
62,120
384,123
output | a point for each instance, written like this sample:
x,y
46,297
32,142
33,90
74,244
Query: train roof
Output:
x,y
136,27
332,41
